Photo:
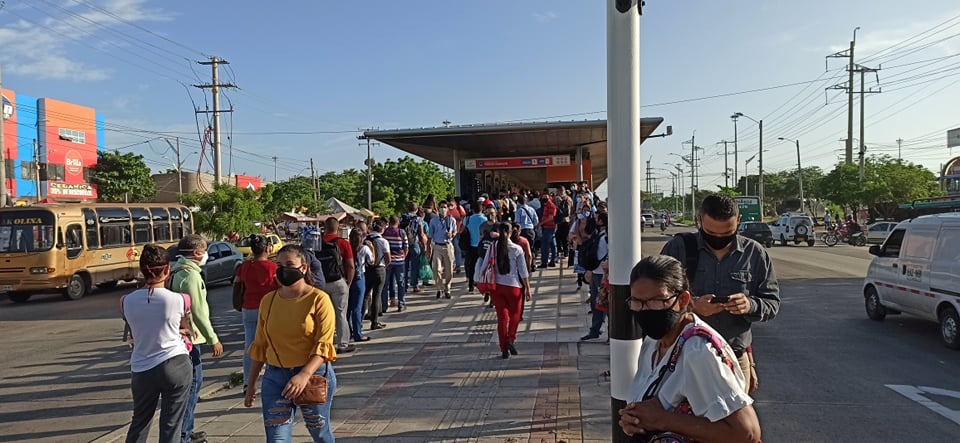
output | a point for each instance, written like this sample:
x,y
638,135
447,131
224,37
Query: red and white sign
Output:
x,y
248,182
518,162
71,190
73,162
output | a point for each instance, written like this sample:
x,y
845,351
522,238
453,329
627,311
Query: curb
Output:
x,y
205,394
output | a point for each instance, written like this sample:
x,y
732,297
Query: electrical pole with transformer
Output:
x,y
214,87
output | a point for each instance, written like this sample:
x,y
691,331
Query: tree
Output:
x,y
225,210
123,177
397,182
887,183
842,186
348,186
289,195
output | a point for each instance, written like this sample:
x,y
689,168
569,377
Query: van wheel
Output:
x,y
950,328
77,288
783,240
875,309
769,244
19,297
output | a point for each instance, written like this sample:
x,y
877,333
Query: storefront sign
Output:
x,y
69,190
73,162
517,162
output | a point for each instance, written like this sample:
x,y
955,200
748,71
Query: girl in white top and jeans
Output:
x,y
512,276
688,386
160,362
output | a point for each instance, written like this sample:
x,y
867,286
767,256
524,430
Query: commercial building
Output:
x,y
950,177
50,148
169,190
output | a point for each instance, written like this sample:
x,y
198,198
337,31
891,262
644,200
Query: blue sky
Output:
x,y
338,66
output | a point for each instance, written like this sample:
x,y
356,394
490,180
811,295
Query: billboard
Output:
x,y
71,191
248,182
953,138
518,162
749,208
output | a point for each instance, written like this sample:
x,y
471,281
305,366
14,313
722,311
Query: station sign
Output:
x,y
518,162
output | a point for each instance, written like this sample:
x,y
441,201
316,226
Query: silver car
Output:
x,y
222,265
877,232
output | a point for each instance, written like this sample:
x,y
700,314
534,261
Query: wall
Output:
x,y
27,120
10,147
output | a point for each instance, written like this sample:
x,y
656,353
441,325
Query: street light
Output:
x,y
683,203
736,150
799,169
746,177
760,173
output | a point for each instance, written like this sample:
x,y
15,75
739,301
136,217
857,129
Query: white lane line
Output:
x,y
916,393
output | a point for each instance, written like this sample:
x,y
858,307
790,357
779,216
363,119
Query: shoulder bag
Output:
x,y
315,393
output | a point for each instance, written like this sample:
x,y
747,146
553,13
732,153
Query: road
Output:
x,y
823,365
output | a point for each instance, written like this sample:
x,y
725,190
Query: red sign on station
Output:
x,y
518,162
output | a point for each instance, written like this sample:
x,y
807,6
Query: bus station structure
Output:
x,y
509,156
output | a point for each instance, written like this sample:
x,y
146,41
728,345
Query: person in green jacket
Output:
x,y
188,280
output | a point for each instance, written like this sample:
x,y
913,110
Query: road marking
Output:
x,y
916,393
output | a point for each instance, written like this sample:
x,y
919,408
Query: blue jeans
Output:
x,y
598,316
395,286
355,306
413,268
194,397
547,246
278,412
249,331
457,252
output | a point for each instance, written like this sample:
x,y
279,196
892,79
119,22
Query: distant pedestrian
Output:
x,y
527,218
688,381
548,229
489,233
254,279
597,246
336,258
160,362
363,255
512,279
295,340
443,227
395,286
412,224
376,275
472,225
187,279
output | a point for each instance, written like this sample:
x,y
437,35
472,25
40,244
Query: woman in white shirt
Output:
x,y
512,279
363,255
688,386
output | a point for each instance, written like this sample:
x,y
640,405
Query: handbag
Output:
x,y
238,288
485,277
315,393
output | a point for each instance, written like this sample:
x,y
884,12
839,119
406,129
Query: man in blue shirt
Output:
x,y
527,219
442,230
472,224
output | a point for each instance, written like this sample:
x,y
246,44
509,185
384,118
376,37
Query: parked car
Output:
x,y
795,228
757,231
915,272
221,266
273,239
877,232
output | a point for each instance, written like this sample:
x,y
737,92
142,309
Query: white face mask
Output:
x,y
203,260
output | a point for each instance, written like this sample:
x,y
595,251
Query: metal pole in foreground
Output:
x,y
3,157
623,158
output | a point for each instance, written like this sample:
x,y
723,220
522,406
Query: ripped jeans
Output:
x,y
278,412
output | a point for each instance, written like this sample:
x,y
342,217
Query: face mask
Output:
x,y
204,258
586,214
717,243
288,276
443,212
656,323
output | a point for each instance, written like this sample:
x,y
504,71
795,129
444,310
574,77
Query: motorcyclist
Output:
x,y
854,231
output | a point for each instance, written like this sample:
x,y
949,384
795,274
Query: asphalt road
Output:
x,y
823,365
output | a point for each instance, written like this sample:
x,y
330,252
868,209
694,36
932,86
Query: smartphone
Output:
x,y
720,299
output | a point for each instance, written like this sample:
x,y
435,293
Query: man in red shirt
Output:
x,y
548,228
336,256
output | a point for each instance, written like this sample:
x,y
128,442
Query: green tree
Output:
x,y
349,186
225,210
842,186
289,195
123,177
396,182
887,183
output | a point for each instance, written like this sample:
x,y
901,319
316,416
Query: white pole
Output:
x,y
623,160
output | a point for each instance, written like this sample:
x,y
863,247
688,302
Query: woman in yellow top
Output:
x,y
295,339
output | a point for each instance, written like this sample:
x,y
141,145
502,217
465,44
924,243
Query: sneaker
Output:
x,y
393,303
446,295
401,308
552,265
589,337
346,348
486,298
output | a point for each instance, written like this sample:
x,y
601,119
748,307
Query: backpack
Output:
x,y
563,209
332,263
692,254
405,221
587,252
465,241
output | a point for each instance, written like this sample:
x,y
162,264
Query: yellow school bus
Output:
x,y
72,247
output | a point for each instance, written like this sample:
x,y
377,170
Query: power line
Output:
x,y
148,31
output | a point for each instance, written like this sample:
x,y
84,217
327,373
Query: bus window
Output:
x,y
74,241
187,222
29,230
114,227
93,234
161,225
176,223
142,231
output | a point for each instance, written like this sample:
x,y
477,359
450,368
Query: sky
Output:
x,y
310,74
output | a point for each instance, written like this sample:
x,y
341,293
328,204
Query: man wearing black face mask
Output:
x,y
732,277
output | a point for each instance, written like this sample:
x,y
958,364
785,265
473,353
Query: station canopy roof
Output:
x,y
498,140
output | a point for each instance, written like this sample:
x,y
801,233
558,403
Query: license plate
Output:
x,y
6,288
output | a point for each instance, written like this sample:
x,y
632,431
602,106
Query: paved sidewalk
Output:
x,y
435,374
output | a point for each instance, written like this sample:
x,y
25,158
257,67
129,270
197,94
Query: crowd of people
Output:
x,y
311,304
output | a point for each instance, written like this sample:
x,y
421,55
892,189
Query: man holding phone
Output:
x,y
731,277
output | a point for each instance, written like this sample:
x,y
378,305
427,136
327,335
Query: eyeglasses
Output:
x,y
653,305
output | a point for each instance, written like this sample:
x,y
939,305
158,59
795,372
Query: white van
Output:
x,y
917,271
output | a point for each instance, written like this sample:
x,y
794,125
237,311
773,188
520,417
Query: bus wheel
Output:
x,y
77,288
19,297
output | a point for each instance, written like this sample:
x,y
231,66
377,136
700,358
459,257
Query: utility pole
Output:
x,y
863,147
623,158
313,179
369,163
3,147
176,150
899,148
36,167
726,165
648,176
274,168
848,54
214,87
736,150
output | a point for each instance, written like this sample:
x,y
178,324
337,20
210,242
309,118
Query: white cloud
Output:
x,y
871,41
544,17
40,49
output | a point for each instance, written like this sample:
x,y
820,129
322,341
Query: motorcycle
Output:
x,y
857,239
834,235
663,227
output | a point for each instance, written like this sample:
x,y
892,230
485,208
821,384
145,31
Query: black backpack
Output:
x,y
692,252
405,221
465,241
329,256
587,252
